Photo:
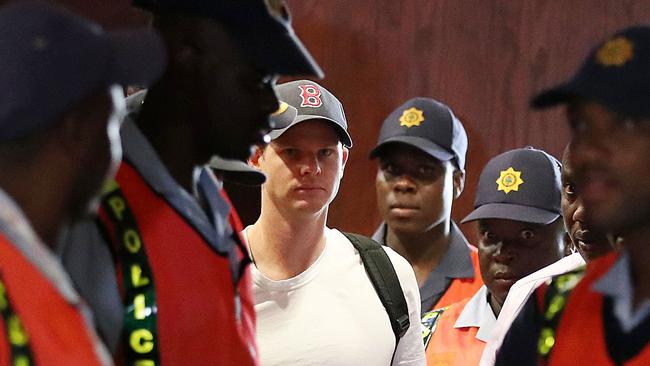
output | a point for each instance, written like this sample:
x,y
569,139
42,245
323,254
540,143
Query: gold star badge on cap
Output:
x,y
509,180
615,52
411,117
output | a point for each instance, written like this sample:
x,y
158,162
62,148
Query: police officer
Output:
x,y
517,207
602,319
421,152
60,110
165,270
590,244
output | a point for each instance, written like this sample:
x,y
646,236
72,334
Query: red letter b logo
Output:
x,y
310,95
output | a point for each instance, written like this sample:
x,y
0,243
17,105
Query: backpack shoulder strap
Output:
x,y
382,274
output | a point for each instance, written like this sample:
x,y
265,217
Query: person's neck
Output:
x,y
423,250
283,246
39,201
164,124
495,305
637,244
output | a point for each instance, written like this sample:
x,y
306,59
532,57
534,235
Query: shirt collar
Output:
x,y
380,234
139,152
478,313
617,284
455,263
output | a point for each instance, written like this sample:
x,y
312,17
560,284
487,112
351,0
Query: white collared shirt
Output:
x,y
517,297
477,313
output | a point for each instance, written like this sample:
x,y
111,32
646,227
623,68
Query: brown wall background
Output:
x,y
484,58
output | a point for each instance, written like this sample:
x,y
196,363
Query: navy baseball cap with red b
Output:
x,y
520,185
262,29
615,74
428,125
304,100
51,59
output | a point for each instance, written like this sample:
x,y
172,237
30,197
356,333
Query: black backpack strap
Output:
x,y
382,274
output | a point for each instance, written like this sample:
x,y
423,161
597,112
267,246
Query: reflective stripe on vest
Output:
x,y
451,346
201,318
140,329
462,288
20,353
555,300
580,335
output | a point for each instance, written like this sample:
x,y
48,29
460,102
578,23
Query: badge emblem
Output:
x,y
615,52
411,117
509,180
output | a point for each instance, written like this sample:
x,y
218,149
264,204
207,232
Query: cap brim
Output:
x,y
554,96
237,171
139,57
418,142
283,117
512,212
346,140
280,53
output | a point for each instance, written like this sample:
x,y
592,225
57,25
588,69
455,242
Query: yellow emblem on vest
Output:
x,y
411,117
615,52
509,180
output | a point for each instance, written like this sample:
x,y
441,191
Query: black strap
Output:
x,y
140,331
382,274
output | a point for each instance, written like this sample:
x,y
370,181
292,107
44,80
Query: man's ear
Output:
x,y
346,155
459,182
255,158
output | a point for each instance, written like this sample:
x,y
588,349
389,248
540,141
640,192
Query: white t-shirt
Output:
x,y
331,315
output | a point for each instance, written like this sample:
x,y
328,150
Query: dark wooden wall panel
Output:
x,y
484,58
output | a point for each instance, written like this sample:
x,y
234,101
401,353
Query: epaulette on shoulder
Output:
x,y
429,321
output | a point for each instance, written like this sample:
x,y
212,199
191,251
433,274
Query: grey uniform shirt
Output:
x,y
455,263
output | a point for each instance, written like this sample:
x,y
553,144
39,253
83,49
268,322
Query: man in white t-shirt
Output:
x,y
315,304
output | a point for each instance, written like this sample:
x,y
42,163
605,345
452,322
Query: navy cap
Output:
x,y
52,59
520,185
428,125
616,74
310,101
262,28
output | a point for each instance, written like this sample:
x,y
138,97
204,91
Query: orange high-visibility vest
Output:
x,y
204,317
451,346
57,333
580,335
462,288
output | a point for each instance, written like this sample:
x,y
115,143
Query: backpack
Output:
x,y
384,279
